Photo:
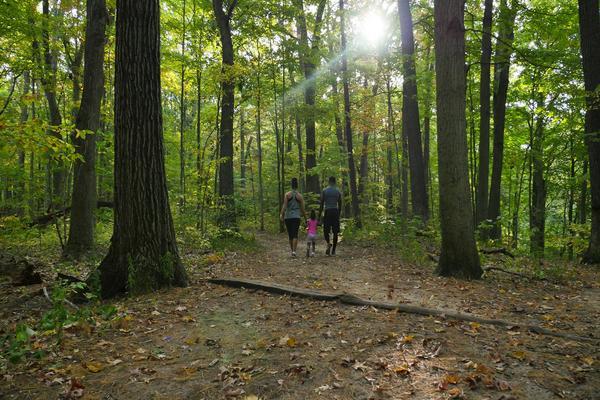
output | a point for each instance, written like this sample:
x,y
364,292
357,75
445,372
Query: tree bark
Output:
x,y
501,80
259,151
481,209
143,254
589,27
348,121
427,128
182,113
410,115
23,119
48,80
227,217
582,203
308,63
537,216
83,200
459,256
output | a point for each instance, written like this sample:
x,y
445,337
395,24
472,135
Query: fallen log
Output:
x,y
501,250
48,218
350,299
22,271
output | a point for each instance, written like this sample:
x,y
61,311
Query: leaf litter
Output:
x,y
213,342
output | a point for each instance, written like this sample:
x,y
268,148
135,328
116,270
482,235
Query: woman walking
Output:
x,y
291,212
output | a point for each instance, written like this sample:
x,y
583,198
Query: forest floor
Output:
x,y
213,342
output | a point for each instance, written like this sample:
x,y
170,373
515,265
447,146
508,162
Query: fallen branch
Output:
x,y
486,269
351,299
64,300
48,218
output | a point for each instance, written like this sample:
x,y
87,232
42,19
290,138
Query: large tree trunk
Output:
x,y
459,256
143,254
501,78
589,27
484,117
410,115
348,121
83,201
227,217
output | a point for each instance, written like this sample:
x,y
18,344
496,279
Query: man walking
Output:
x,y
331,200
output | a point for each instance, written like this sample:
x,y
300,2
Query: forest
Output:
x,y
153,155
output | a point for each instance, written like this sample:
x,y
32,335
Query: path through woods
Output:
x,y
213,342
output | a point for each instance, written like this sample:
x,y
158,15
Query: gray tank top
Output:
x,y
293,207
331,195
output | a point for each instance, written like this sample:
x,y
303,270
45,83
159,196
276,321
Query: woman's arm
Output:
x,y
284,207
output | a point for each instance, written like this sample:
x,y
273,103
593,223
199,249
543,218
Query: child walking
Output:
x,y
311,234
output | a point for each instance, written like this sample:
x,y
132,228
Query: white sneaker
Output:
x,y
312,254
293,254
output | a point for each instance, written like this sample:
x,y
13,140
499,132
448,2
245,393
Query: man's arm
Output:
x,y
321,206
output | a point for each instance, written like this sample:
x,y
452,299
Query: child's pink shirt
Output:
x,y
312,226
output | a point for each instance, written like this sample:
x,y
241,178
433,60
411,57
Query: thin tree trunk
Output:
x,y
501,80
259,149
589,27
182,113
410,115
143,254
278,152
227,217
570,202
459,256
308,64
538,189
199,156
582,204
84,198
48,79
23,119
393,183
481,209
427,127
348,121
298,126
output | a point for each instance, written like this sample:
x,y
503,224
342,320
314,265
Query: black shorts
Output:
x,y
331,221
292,225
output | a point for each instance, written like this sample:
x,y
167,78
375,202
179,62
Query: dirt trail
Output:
x,y
212,342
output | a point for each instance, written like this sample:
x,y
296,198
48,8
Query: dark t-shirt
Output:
x,y
331,196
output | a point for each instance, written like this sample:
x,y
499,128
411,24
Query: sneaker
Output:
x,y
293,254
312,254
328,251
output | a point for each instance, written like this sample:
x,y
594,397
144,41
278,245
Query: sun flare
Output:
x,y
372,28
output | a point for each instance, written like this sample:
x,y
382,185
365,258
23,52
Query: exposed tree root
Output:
x,y
351,299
